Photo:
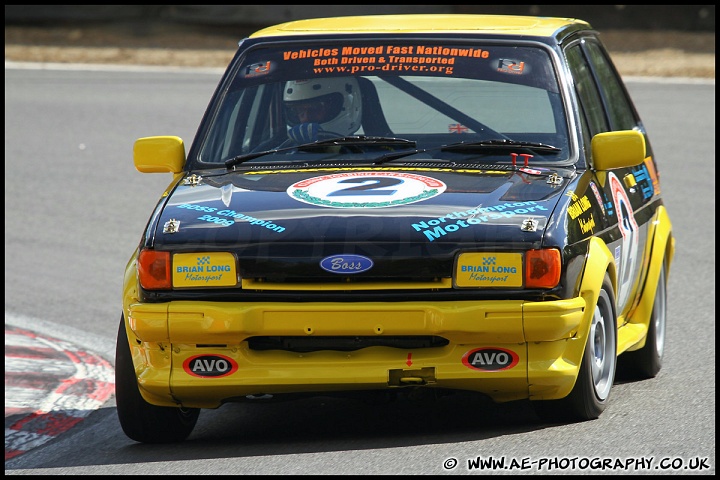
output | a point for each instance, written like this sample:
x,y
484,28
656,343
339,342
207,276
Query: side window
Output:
x,y
588,95
249,118
219,142
620,110
265,125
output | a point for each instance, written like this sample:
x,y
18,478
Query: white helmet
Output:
x,y
336,101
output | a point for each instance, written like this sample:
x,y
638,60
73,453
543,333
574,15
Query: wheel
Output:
x,y
646,362
589,397
140,420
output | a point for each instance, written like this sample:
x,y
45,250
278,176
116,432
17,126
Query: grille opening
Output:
x,y
343,279
344,343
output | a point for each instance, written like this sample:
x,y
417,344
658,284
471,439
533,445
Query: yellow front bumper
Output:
x,y
546,338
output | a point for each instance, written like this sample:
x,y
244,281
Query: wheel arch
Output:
x,y
599,263
662,253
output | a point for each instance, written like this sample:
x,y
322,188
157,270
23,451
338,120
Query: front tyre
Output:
x,y
140,420
596,375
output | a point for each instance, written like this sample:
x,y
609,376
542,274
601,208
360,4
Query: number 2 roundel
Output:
x,y
366,189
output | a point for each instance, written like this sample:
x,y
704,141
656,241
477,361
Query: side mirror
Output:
x,y
621,149
159,154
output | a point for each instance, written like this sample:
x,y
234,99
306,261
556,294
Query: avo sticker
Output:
x,y
366,189
206,366
490,359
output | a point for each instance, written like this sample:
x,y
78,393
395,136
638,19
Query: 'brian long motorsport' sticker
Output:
x,y
366,189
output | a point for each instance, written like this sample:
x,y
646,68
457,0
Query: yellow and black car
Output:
x,y
378,204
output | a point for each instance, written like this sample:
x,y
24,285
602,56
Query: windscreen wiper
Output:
x,y
352,140
500,144
387,157
485,146
366,140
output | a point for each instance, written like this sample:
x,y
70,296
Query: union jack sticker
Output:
x,y
457,128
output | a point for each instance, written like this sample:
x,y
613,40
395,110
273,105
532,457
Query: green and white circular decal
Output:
x,y
366,189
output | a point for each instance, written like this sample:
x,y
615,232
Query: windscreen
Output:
x,y
429,93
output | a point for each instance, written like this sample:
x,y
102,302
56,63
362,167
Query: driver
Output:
x,y
330,105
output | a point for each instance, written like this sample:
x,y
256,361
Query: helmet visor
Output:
x,y
314,110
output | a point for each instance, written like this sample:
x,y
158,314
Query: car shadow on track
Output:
x,y
324,424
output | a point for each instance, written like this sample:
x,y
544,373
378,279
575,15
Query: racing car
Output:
x,y
374,205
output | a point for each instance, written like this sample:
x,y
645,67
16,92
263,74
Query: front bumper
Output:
x,y
545,338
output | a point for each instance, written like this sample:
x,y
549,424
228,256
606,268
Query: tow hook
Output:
x,y
403,378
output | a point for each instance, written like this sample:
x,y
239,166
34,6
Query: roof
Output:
x,y
427,23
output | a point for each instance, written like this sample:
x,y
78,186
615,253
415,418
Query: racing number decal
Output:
x,y
366,189
628,229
